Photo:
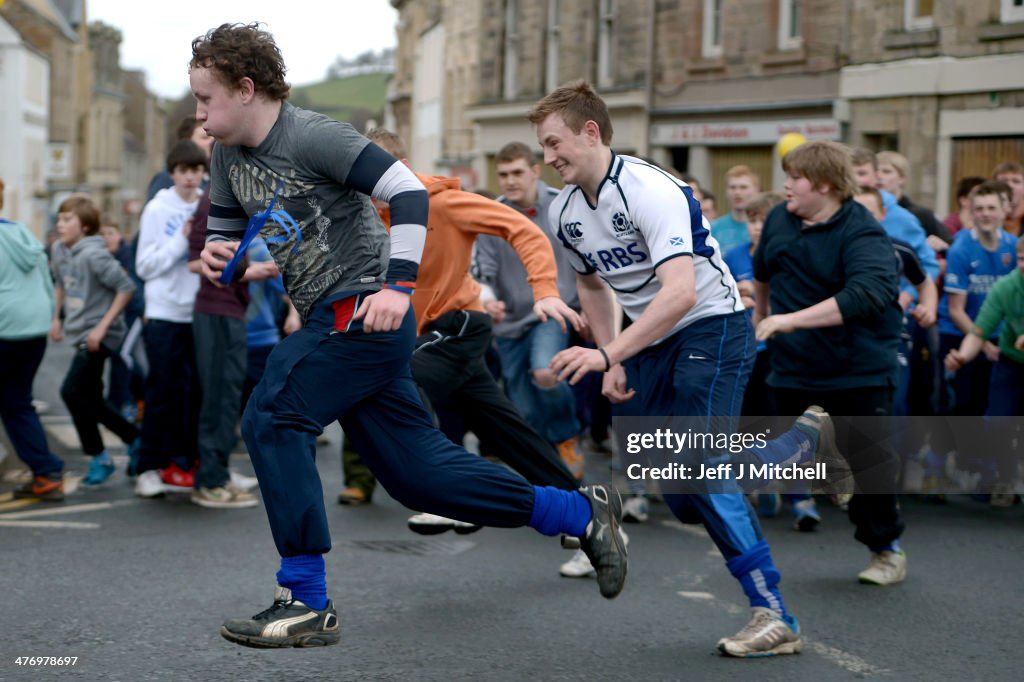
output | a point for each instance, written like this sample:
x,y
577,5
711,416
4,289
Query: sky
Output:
x,y
157,36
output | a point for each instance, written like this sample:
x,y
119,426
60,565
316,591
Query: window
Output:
x,y
711,43
554,29
510,86
917,14
790,19
1011,11
605,38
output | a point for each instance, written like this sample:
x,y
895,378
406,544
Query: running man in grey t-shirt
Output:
x,y
304,183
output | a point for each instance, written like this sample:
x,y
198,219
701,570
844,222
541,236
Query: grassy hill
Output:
x,y
352,99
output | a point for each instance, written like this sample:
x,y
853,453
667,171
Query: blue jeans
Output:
x,y
552,411
21,360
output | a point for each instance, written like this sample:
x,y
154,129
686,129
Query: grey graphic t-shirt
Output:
x,y
340,244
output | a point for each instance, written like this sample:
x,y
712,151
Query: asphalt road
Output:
x,y
137,589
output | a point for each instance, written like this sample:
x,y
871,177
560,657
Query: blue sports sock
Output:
x,y
759,578
795,445
104,457
306,576
559,511
893,546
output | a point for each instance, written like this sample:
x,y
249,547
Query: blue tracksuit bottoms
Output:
x,y
701,371
331,370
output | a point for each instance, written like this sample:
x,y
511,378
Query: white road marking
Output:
x,y
697,596
843,659
74,509
48,524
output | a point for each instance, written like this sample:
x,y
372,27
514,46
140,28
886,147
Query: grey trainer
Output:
x,y
839,483
287,623
602,542
767,634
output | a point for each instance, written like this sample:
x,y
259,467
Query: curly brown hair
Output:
x,y
237,51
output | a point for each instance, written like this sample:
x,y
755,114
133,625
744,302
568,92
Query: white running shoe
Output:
x,y
885,568
149,484
246,483
634,509
765,635
226,497
578,566
432,524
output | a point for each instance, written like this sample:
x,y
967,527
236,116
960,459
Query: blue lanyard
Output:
x,y
252,230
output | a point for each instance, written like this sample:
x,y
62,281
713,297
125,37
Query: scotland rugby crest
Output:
x,y
622,226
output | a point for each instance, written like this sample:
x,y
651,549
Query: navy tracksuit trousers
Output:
x,y
701,371
321,374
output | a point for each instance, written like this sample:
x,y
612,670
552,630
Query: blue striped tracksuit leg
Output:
x,y
701,373
316,376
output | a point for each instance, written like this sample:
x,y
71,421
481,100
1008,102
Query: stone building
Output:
x,y
941,81
145,146
732,76
701,85
104,124
79,122
38,131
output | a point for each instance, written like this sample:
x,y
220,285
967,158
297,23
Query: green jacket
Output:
x,y
1004,303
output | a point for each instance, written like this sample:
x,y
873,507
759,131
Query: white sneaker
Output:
x,y
432,524
765,635
246,483
885,568
634,509
226,497
149,484
578,566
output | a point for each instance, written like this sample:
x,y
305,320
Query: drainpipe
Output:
x,y
652,7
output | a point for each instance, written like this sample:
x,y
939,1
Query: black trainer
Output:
x,y
602,542
839,481
288,623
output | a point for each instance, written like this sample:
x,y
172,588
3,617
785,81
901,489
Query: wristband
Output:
x,y
607,362
398,287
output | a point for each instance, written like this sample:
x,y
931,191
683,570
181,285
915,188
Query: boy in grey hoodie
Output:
x,y
93,289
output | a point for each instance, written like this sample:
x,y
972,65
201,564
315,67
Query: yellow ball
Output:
x,y
788,143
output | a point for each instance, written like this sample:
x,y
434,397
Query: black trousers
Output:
x,y
220,353
82,392
172,397
449,367
874,510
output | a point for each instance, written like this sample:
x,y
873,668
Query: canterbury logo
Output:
x,y
279,628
